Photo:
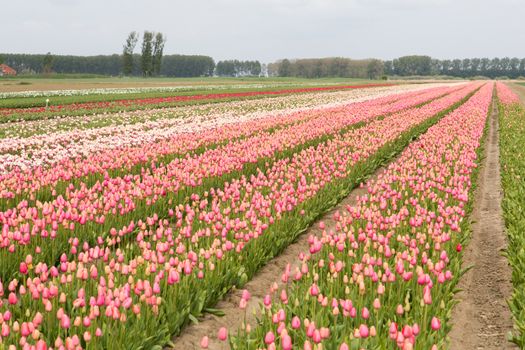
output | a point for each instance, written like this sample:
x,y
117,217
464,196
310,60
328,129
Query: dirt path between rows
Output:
x,y
482,318
258,286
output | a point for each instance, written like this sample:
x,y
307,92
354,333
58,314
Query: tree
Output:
x,y
466,67
435,67
515,67
413,65
47,63
456,67
495,67
187,66
284,68
337,67
327,67
446,65
522,67
273,69
375,69
225,68
236,68
300,69
2,59
127,54
147,54
158,49
474,65
389,67
505,65
484,66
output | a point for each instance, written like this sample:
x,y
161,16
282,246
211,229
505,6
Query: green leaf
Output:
x,y
215,312
193,319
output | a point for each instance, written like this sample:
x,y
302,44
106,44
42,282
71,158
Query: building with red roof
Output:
x,y
6,70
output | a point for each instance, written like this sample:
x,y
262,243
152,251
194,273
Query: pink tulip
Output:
x,y
246,295
296,322
222,334
317,336
41,345
435,323
23,268
65,322
399,309
363,331
24,330
314,291
37,319
365,313
269,338
267,300
204,342
286,342
12,299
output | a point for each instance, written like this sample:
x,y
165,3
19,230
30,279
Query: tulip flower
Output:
x,y
269,338
435,323
204,342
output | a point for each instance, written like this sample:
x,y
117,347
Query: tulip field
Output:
x,y
32,106
120,229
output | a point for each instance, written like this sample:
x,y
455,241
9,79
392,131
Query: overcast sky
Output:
x,y
270,29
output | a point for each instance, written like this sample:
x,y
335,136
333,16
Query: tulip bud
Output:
x,y
435,323
204,342
222,334
269,338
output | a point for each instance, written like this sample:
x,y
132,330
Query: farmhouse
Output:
x,y
6,70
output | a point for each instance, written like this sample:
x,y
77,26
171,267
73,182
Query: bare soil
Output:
x,y
259,286
482,318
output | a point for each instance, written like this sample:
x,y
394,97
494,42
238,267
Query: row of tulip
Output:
x,y
146,89
50,148
110,104
512,158
384,278
237,108
158,93
89,157
136,293
110,205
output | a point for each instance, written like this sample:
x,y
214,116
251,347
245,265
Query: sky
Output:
x,y
268,30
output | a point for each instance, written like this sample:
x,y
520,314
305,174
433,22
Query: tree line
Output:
x,y
152,62
236,68
36,63
403,66
327,67
172,65
464,68
114,65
